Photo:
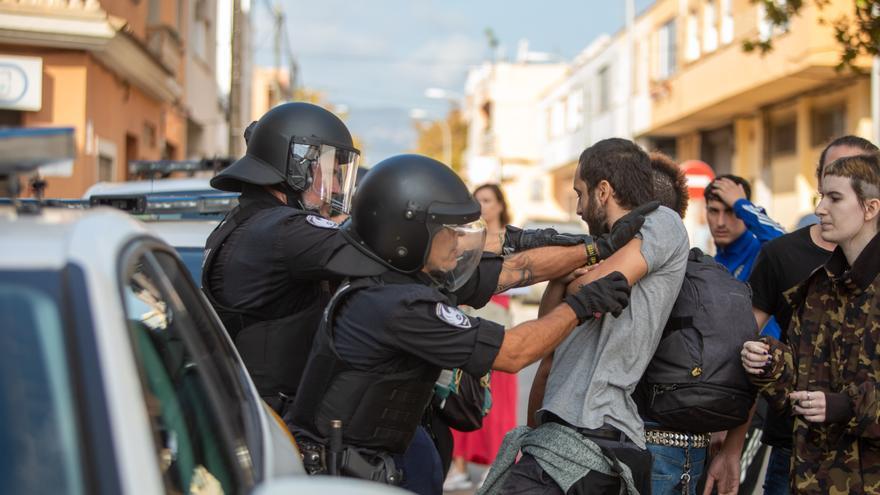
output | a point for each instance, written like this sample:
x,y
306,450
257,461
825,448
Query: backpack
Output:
x,y
462,400
695,382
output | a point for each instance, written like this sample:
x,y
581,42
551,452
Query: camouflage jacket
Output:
x,y
834,347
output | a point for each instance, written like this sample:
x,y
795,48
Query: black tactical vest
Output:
x,y
378,410
274,351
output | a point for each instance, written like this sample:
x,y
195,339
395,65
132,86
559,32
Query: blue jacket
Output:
x,y
739,256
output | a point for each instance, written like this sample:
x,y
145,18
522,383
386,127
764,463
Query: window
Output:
x,y
574,107
195,414
692,52
105,168
726,21
827,123
666,50
150,135
39,413
557,119
710,27
537,192
106,160
604,77
783,137
199,39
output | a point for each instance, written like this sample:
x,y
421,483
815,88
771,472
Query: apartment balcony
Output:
x,y
164,43
83,25
718,86
68,5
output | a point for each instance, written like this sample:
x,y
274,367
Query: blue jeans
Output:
x,y
422,471
776,481
669,467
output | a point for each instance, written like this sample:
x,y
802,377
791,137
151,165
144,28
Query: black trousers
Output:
x,y
527,477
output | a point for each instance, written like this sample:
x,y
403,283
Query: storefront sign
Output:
x,y
21,83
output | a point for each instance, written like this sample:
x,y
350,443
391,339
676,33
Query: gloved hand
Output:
x,y
609,294
517,239
623,231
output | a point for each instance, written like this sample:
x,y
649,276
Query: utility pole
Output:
x,y
235,131
279,25
875,99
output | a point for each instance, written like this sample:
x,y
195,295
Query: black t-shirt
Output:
x,y
783,263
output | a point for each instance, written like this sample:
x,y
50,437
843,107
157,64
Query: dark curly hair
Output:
x,y
670,184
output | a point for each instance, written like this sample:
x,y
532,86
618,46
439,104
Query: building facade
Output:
x,y
207,129
765,118
137,80
504,122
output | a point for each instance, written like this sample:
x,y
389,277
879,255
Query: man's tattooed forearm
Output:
x,y
516,271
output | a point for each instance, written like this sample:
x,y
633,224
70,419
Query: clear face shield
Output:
x,y
332,170
455,253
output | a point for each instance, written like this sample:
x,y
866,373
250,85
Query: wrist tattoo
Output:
x,y
516,271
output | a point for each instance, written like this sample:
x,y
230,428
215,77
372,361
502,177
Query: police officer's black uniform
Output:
x,y
269,273
385,339
270,267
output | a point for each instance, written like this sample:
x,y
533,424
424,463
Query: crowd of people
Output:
x,y
375,339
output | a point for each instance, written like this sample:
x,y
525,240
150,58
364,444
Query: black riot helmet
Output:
x,y
414,213
302,147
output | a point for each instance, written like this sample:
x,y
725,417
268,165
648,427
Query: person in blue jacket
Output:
x,y
739,228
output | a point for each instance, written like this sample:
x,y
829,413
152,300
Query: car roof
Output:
x,y
53,237
157,186
183,233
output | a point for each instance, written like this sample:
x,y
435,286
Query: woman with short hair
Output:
x,y
830,370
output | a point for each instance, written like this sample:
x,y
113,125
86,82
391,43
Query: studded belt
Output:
x,y
678,439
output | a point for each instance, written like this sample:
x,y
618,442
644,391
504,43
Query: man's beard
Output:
x,y
596,217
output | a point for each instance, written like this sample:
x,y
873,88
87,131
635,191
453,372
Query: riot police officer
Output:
x,y
384,339
270,266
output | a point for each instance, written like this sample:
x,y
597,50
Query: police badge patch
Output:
x,y
453,316
321,223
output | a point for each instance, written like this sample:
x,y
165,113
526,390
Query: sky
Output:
x,y
376,58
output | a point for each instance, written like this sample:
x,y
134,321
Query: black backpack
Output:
x,y
695,382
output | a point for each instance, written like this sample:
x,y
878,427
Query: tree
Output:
x,y
430,140
857,33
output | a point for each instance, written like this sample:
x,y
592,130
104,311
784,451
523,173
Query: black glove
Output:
x,y
609,294
623,231
517,239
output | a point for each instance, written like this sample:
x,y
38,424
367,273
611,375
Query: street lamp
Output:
x,y
445,129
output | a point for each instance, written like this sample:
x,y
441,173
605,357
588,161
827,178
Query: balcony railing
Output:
x,y
164,42
66,5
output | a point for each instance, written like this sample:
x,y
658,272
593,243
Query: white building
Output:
x,y
501,108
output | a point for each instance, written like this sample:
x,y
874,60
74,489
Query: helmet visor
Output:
x,y
333,173
455,253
